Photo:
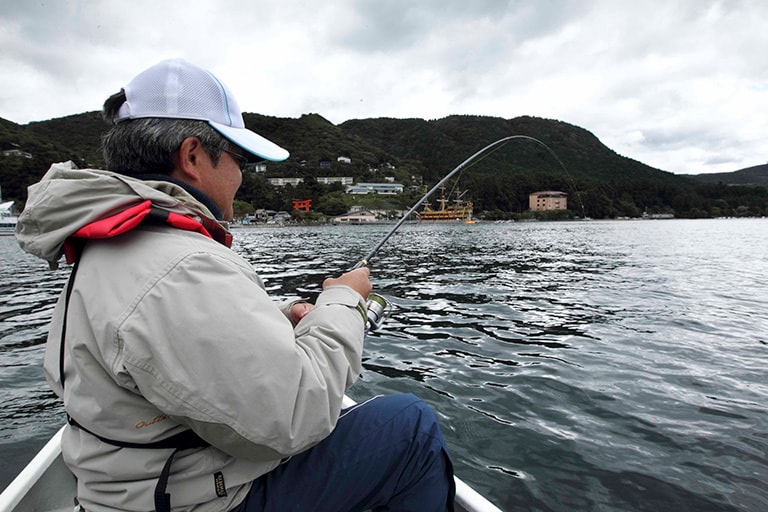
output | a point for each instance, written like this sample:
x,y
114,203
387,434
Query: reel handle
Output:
x,y
377,307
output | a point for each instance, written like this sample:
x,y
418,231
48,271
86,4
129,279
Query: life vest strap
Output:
x,y
110,227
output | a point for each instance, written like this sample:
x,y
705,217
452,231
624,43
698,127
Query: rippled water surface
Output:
x,y
608,366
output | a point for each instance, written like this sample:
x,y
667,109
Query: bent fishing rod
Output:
x,y
377,306
367,259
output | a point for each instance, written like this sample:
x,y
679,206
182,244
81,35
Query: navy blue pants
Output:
x,y
385,454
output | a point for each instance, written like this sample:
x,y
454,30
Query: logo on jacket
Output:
x,y
218,483
156,419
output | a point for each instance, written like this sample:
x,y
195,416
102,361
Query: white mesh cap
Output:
x,y
177,89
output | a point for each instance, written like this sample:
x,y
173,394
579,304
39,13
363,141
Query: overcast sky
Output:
x,y
681,85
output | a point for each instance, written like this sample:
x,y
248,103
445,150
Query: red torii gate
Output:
x,y
302,204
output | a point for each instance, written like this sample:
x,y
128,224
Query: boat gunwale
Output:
x,y
467,498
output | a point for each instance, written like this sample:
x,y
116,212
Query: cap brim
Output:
x,y
252,142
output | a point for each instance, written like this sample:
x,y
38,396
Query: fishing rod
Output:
x,y
367,259
378,305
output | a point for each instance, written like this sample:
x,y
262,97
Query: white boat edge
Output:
x,y
34,488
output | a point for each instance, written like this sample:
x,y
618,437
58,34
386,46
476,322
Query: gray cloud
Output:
x,y
678,85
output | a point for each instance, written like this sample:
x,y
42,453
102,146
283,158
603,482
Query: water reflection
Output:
x,y
28,292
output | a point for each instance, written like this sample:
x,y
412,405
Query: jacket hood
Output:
x,y
67,198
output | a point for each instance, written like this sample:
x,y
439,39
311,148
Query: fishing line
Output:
x,y
377,306
483,157
472,160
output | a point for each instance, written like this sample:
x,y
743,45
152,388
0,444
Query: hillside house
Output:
x,y
327,180
17,153
281,182
375,188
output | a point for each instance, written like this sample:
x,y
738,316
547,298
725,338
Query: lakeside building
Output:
x,y
262,216
548,200
358,217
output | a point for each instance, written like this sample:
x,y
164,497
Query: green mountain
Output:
x,y
25,157
446,142
417,153
80,133
754,176
312,139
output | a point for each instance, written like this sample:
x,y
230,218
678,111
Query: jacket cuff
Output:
x,y
346,296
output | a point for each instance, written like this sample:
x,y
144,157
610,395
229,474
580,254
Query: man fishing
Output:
x,y
185,385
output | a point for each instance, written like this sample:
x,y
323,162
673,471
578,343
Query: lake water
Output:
x,y
603,365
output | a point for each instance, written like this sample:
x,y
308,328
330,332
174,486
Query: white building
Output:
x,y
281,182
375,188
360,217
327,180
17,152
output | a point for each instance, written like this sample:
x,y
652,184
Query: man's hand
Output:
x,y
356,279
300,310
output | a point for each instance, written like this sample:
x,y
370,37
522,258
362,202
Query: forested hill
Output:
x,y
417,152
756,175
442,144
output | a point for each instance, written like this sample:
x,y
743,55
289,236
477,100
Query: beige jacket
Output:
x,y
169,330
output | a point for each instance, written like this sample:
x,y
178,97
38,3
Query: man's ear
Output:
x,y
188,160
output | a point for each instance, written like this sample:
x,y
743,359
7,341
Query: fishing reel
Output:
x,y
377,308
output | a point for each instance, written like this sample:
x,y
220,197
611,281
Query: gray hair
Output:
x,y
147,146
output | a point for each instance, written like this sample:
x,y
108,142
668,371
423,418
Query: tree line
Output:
x,y
417,153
